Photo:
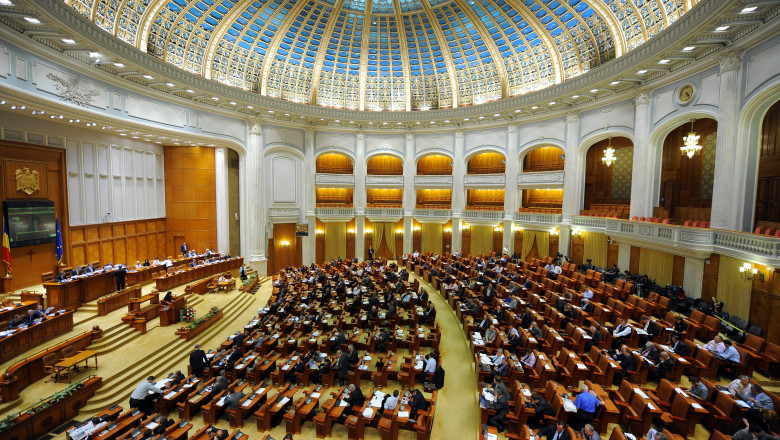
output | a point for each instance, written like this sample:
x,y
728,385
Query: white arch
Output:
x,y
485,149
539,143
336,150
386,153
751,121
670,123
433,152
284,148
594,138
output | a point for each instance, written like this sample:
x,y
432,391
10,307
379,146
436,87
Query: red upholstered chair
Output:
x,y
777,233
768,231
758,230
695,224
641,219
687,223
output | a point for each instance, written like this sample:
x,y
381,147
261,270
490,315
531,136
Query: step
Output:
x,y
117,388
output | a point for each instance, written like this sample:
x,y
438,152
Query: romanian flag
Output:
x,y
6,248
58,249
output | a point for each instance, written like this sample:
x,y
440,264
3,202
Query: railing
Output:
x,y
335,212
483,215
701,241
385,212
446,213
343,179
536,217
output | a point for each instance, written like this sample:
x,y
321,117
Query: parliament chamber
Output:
x,y
411,219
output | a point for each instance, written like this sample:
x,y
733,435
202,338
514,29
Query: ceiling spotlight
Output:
x,y
614,83
747,10
190,91
6,3
446,121
465,119
32,20
384,123
94,54
664,61
69,41
575,96
553,102
688,48
170,84
232,103
2,102
397,123
214,98
148,77
122,134
496,115
120,65
250,107
594,90
481,117
418,122
722,28
534,107
135,137
641,72
270,111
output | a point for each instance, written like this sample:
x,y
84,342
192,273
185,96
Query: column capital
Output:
x,y
409,137
256,127
459,134
512,128
360,135
572,117
730,61
642,98
309,131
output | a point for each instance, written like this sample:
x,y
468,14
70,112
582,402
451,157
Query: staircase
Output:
x,y
117,387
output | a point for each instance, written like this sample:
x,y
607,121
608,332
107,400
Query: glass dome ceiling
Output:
x,y
385,54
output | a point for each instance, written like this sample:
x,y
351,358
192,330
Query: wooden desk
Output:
x,y
72,362
6,314
303,411
118,300
228,285
134,305
189,275
23,340
72,294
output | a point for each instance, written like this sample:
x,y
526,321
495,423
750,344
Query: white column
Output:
x,y
624,256
564,239
410,169
458,172
693,277
730,166
644,187
360,237
223,214
408,235
309,252
253,212
511,198
457,237
574,170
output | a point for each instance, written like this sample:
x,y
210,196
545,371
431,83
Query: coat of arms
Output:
x,y
28,181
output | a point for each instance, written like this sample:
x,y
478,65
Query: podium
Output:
x,y
169,313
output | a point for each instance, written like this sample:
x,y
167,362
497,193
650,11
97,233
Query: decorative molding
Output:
x,y
547,178
643,98
409,137
344,179
458,134
572,117
72,91
512,128
730,61
384,180
433,180
361,135
255,127
284,212
484,179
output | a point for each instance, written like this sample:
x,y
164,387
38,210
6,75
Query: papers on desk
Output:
x,y
170,395
641,331
582,366
670,329
492,436
376,401
640,392
315,395
342,403
403,414
221,401
187,385
526,392
586,337
286,367
484,359
559,338
152,425
239,366
294,358
742,403
284,401
488,395
697,406
568,405
650,405
247,402
363,368
532,340
368,413
418,365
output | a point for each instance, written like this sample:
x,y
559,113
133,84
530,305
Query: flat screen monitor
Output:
x,y
30,222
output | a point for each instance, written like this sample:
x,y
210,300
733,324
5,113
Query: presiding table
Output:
x,y
20,340
168,282
72,363
73,293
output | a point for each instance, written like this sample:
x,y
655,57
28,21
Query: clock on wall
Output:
x,y
685,94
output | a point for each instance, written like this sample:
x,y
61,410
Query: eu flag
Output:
x,y
58,250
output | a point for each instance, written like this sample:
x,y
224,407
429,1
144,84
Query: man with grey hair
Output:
x,y
589,433
198,361
587,403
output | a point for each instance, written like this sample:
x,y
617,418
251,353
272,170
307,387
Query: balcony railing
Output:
x,y
543,179
535,217
752,247
385,212
334,179
483,215
335,213
433,213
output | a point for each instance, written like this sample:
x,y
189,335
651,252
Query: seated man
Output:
x,y
555,432
665,364
697,389
716,345
621,332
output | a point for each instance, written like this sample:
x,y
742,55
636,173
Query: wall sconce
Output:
x,y
465,226
416,229
399,231
498,229
576,233
319,232
448,230
350,231
368,231
517,228
555,232
749,273
285,243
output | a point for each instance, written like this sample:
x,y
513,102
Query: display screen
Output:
x,y
30,222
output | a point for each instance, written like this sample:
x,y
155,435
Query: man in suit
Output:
x,y
555,432
501,407
587,306
484,323
541,409
418,404
627,363
352,355
342,366
354,397
589,433
651,328
536,332
220,384
89,269
198,361
526,318
183,249
649,351
338,340
595,338
382,339
665,365
678,346
371,253
430,311
120,275
622,331
238,340
233,399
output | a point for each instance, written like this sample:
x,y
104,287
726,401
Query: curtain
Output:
x,y
335,240
481,240
390,237
542,240
528,243
733,290
379,232
595,248
656,265
432,237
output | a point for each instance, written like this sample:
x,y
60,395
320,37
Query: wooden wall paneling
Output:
x,y
577,254
768,185
678,271
319,246
598,177
633,264
385,165
417,236
446,241
498,241
465,237
761,301
543,159
284,256
518,247
613,252
399,240
709,284
434,164
553,246
334,163
351,238
120,242
487,163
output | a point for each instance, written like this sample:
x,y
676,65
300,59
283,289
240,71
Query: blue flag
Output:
x,y
58,250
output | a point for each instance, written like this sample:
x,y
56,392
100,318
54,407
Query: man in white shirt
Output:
x,y
622,331
430,364
392,401
156,262
140,396
716,345
588,294
498,357
416,254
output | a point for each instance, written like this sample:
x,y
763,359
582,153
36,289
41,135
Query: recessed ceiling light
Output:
x,y
481,117
270,111
120,65
232,102
688,48
496,114
534,107
664,61
69,41
148,77
190,91
135,137
418,122
575,96
6,3
158,142
398,123
594,90
614,83
287,114
32,20
641,72
384,123
553,102
122,134
94,54
170,84
214,98
337,120
446,121
433,122
250,107
722,28
747,10
465,119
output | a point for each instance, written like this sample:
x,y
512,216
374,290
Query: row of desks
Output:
x,y
191,274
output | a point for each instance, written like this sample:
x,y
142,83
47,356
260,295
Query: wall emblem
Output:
x,y
71,90
28,181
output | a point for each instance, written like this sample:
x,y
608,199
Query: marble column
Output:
x,y
410,169
223,214
458,173
564,239
253,212
693,277
730,166
408,235
308,210
645,173
574,170
624,256
360,198
511,197
360,237
457,236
